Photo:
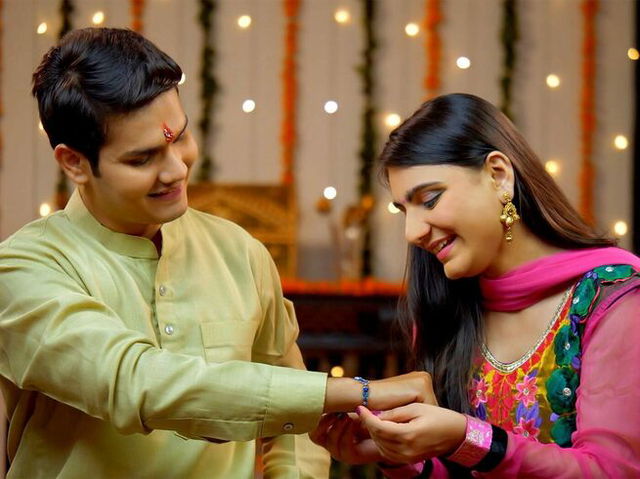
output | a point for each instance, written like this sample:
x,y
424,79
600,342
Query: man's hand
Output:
x,y
346,439
345,394
414,387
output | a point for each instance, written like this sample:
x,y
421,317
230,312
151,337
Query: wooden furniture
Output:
x,y
353,330
267,212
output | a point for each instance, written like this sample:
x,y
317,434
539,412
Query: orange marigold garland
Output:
x,y
433,47
365,287
137,9
289,90
587,109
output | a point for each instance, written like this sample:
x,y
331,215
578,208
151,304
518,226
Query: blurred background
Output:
x,y
298,91
292,100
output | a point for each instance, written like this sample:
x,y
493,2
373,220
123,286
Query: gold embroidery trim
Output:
x,y
510,367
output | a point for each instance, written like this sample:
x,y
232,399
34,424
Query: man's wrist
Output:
x,y
342,395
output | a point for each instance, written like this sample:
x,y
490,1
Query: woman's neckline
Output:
x,y
508,367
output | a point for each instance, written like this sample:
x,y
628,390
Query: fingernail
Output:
x,y
376,413
359,410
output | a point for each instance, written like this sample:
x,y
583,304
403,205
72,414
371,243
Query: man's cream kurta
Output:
x,y
113,359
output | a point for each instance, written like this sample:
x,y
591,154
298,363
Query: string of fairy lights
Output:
x,y
390,119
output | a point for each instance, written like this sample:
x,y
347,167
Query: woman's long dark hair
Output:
x,y
441,318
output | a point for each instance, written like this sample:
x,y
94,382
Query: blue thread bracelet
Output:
x,y
365,390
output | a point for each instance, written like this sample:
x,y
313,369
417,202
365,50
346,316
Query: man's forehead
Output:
x,y
146,124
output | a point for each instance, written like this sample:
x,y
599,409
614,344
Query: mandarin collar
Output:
x,y
121,243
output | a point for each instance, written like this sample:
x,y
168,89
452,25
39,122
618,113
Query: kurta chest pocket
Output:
x,y
228,340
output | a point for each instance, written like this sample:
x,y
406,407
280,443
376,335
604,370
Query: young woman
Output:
x,y
526,318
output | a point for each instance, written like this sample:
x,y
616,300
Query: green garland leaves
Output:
x,y
509,37
62,188
208,86
66,10
369,132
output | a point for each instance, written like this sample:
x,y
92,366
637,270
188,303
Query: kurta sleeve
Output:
x,y
57,339
606,442
285,456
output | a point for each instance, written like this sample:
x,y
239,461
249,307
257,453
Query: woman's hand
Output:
x,y
415,432
346,439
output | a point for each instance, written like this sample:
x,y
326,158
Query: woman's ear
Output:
x,y
74,164
499,168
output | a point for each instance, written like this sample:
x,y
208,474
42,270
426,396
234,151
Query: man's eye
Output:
x,y
139,161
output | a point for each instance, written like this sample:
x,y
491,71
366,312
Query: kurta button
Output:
x,y
162,290
287,427
566,392
169,329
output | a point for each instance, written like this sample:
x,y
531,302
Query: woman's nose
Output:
x,y
416,228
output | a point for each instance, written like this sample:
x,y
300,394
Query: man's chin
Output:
x,y
174,215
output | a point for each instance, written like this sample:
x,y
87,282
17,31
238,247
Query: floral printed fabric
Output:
x,y
537,399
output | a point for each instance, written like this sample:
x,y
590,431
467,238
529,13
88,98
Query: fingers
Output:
x,y
335,436
347,439
347,443
403,413
319,434
355,448
366,416
389,437
378,428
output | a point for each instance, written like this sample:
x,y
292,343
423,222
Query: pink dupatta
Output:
x,y
606,442
533,281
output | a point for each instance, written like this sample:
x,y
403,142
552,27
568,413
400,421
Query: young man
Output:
x,y
140,338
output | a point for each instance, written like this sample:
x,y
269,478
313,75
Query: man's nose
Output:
x,y
173,168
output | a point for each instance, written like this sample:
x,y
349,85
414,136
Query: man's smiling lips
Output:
x,y
169,193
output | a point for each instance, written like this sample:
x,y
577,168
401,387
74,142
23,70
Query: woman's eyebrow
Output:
x,y
413,191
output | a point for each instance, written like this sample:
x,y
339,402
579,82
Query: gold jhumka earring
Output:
x,y
509,216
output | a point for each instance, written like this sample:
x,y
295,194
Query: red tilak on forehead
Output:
x,y
168,133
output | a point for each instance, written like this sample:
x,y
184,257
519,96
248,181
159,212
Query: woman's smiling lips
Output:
x,y
441,247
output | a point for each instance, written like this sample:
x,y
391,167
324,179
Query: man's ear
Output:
x,y
74,164
499,168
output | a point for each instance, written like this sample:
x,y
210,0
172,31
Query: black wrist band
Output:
x,y
496,453
426,470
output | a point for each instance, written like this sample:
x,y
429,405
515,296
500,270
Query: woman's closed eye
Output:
x,y
430,199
